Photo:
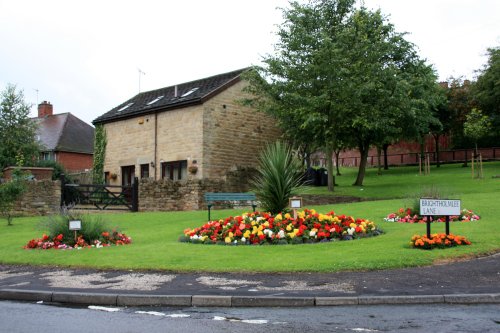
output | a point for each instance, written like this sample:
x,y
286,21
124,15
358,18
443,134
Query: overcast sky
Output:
x,y
84,56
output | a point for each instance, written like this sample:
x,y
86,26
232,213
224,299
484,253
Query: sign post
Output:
x,y
439,207
295,203
75,225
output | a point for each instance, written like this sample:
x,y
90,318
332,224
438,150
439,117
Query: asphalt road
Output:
x,y
32,317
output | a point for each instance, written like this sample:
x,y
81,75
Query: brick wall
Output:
x,y
74,162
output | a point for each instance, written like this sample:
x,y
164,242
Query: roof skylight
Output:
x,y
190,92
155,100
125,107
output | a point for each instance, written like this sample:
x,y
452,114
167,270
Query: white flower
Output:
x,y
350,231
312,233
243,239
281,234
268,232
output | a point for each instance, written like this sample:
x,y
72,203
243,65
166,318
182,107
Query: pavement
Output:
x,y
469,281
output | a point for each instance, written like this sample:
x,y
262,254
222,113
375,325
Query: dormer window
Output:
x,y
125,107
155,100
190,92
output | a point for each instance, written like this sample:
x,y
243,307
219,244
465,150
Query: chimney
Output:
x,y
45,109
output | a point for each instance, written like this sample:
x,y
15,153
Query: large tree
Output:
x,y
344,75
17,130
302,85
486,90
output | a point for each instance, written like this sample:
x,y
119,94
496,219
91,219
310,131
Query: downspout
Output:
x,y
156,143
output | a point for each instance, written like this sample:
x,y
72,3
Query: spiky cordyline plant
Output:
x,y
279,175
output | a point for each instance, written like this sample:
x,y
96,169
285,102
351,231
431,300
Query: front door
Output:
x,y
128,174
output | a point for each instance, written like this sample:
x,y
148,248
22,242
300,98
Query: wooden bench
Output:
x,y
213,199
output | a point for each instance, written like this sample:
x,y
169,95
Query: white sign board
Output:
x,y
432,207
295,203
75,225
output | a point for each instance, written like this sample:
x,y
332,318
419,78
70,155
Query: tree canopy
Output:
x,y
486,90
17,130
342,75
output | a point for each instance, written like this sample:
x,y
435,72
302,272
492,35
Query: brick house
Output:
x,y
64,138
191,131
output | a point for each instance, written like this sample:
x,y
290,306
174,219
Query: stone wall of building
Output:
x,y
172,135
233,135
41,198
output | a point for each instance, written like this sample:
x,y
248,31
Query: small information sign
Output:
x,y
295,203
75,225
438,207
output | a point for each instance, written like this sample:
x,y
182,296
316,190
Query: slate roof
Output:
x,y
201,90
65,132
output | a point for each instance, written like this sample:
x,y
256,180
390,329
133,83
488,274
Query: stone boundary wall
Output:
x,y
167,195
41,198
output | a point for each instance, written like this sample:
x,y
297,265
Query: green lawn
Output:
x,y
452,180
155,235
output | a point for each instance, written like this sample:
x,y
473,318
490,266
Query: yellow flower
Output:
x,y
336,219
287,216
266,224
301,214
260,233
246,234
255,230
261,228
352,225
278,217
289,227
231,234
227,240
203,238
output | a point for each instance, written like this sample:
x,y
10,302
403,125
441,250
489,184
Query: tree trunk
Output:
x,y
436,140
379,160
363,151
422,152
329,167
386,163
337,154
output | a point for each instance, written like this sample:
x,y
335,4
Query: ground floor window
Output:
x,y
144,170
176,170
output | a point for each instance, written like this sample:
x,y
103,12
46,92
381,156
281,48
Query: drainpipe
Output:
x,y
156,143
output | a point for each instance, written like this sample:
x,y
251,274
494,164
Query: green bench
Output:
x,y
216,198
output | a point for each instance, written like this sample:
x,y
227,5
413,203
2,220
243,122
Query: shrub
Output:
x,y
279,175
92,227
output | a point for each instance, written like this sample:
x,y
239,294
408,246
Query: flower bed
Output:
x,y
440,241
263,228
409,216
105,239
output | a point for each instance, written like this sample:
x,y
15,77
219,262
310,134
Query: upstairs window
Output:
x,y
155,100
125,107
190,92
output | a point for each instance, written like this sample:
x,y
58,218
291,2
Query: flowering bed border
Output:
x,y
106,239
264,228
439,241
409,216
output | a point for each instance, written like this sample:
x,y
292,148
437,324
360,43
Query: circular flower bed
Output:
x,y
409,216
440,241
106,239
264,228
